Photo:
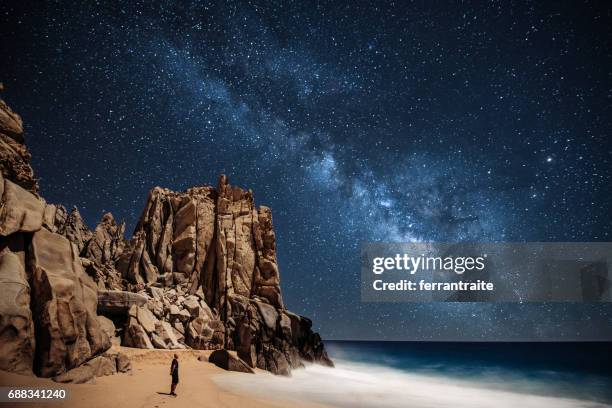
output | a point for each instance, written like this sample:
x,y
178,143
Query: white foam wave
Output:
x,y
359,385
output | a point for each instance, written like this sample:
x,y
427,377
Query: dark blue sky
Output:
x,y
353,122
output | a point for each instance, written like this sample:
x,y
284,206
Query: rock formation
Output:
x,y
200,271
227,360
206,260
48,320
14,156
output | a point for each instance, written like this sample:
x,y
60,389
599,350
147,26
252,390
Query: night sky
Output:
x,y
480,121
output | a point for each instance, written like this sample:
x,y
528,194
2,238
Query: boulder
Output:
x,y
157,293
124,365
165,331
20,210
64,306
103,365
79,375
192,305
158,342
146,319
268,314
108,327
135,336
118,301
229,361
199,334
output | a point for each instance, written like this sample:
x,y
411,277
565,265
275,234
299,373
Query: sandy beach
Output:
x,y
148,385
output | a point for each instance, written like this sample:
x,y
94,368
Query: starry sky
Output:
x,y
354,121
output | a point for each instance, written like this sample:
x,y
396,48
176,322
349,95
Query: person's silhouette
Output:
x,y
174,372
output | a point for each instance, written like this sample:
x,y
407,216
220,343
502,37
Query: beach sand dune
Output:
x,y
149,384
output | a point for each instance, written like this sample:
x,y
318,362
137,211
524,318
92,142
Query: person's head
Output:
x,y
176,356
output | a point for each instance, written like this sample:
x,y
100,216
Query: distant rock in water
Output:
x,y
200,271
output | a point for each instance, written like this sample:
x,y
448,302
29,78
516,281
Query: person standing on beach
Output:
x,y
174,372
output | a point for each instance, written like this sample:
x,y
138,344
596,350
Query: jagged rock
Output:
x,y
20,210
103,251
16,324
199,334
118,301
192,305
178,326
158,342
136,336
54,218
14,155
268,313
167,334
71,225
107,242
229,361
76,231
146,319
157,293
64,302
277,363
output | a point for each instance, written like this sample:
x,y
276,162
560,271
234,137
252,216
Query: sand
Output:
x,y
150,380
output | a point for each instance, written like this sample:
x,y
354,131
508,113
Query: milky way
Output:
x,y
380,122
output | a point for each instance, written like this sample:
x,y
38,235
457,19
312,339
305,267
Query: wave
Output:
x,y
361,385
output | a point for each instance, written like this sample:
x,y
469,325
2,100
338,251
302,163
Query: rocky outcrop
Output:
x,y
103,251
64,303
200,271
118,301
48,320
206,260
215,239
14,155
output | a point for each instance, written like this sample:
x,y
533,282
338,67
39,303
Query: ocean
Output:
x,y
447,374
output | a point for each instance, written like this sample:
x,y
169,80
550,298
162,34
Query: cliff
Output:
x,y
200,271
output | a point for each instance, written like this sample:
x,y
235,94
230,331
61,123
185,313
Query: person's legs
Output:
x,y
172,388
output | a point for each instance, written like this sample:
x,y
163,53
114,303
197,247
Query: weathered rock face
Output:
x,y
48,321
215,239
64,303
173,240
103,251
206,259
14,155
20,210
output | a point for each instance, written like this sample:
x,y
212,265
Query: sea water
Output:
x,y
439,374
